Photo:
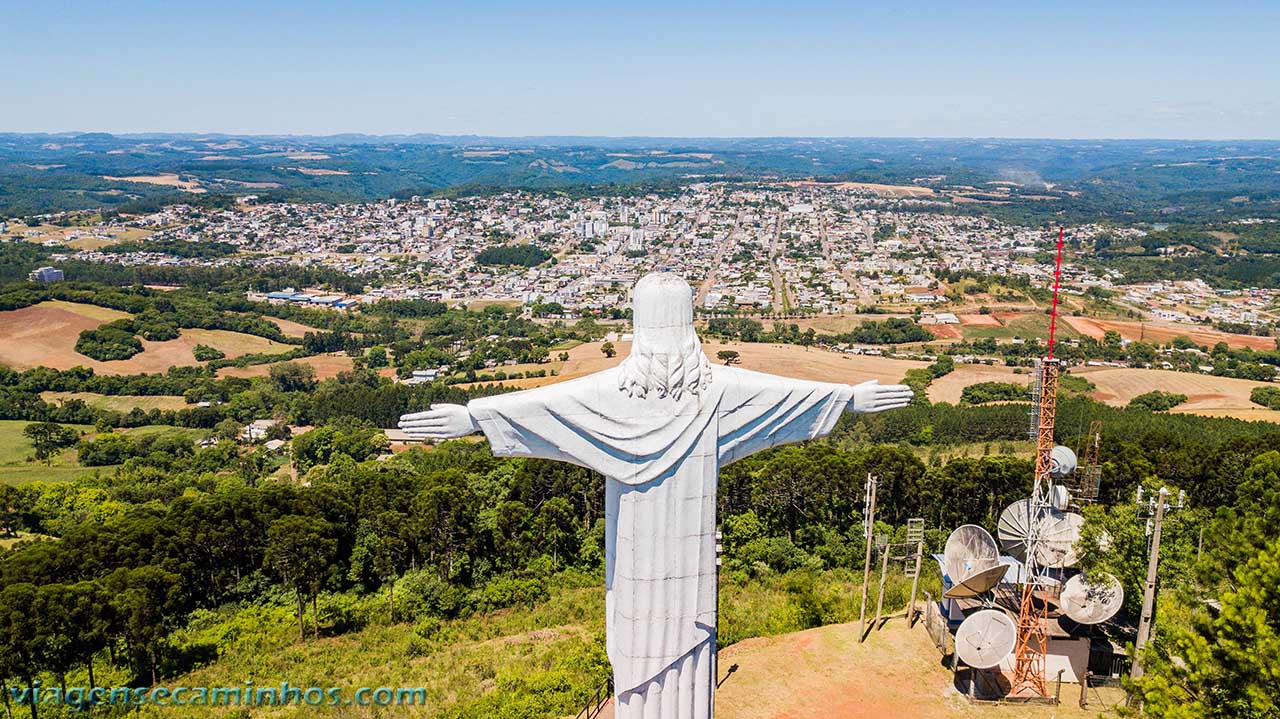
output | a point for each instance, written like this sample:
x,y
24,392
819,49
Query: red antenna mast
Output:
x,y
1057,282
1033,610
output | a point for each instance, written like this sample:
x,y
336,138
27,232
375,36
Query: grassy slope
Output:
x,y
118,403
516,662
16,450
519,662
93,312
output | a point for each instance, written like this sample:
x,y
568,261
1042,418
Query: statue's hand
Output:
x,y
442,421
875,397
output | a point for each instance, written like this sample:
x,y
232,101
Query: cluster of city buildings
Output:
x,y
764,249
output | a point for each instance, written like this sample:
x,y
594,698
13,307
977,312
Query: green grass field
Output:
x,y
118,403
93,312
1024,326
16,449
17,467
37,472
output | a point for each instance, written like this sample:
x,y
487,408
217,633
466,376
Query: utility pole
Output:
x,y
1153,564
868,524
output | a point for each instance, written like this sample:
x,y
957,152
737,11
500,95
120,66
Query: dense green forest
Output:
x,y
523,255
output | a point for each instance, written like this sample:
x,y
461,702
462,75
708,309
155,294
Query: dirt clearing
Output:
x,y
45,334
825,672
1164,332
326,366
1206,394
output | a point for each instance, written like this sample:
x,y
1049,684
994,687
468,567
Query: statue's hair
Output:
x,y
667,370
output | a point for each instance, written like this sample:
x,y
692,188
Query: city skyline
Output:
x,y
661,70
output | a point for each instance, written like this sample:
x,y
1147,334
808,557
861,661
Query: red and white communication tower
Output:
x,y
1033,613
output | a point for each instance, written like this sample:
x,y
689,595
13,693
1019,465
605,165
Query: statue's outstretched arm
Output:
x,y
442,421
875,397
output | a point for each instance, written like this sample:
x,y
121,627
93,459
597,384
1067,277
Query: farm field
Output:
x,y
948,387
787,360
291,328
879,189
43,233
118,403
1007,325
1206,394
326,366
831,324
1163,332
44,335
167,179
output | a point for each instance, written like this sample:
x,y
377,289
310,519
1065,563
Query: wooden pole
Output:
x,y
866,565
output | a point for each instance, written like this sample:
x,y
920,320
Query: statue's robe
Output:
x,y
660,457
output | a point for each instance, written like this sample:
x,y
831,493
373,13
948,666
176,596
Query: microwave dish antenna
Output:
x,y
1087,602
985,638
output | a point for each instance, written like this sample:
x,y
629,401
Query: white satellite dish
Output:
x,y
1059,496
1058,537
1013,528
985,638
1062,461
977,583
970,551
1058,533
1091,602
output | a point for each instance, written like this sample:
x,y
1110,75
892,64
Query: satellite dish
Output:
x,y
1059,496
1058,533
1058,537
969,550
1014,527
1062,461
1091,602
978,583
985,638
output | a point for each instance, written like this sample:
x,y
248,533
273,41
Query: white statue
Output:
x,y
658,427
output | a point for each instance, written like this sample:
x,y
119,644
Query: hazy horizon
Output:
x,y
566,136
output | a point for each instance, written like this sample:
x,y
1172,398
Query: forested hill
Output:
x,y
170,563
1122,179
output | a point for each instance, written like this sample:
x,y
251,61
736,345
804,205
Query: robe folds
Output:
x,y
660,457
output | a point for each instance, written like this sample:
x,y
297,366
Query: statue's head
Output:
x,y
666,355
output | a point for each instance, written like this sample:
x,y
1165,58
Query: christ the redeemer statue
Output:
x,y
658,427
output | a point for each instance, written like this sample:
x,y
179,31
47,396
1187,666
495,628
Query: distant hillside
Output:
x,y
42,173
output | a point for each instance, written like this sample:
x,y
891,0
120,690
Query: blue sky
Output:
x,y
789,67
